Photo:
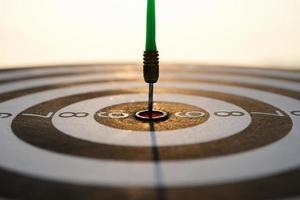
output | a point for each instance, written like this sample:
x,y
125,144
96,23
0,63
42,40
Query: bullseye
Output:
x,y
133,116
155,115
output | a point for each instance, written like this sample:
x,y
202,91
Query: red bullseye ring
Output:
x,y
155,115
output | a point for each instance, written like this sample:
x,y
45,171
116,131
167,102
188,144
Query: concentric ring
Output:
x,y
278,157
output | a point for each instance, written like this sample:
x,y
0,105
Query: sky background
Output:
x,y
230,32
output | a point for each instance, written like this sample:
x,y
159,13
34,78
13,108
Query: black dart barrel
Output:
x,y
151,66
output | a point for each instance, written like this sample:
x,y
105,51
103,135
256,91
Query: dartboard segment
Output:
x,y
72,131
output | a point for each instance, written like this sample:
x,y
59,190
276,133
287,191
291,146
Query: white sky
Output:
x,y
246,32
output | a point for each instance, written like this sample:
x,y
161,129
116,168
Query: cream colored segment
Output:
x,y
86,128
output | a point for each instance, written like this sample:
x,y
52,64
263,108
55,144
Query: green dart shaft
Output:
x,y
150,31
151,63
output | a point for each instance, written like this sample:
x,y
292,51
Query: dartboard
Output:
x,y
71,132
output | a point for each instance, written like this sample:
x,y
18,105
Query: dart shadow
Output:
x,y
157,161
155,152
151,127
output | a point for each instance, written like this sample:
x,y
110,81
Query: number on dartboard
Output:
x,y
229,113
296,112
47,116
277,113
5,115
113,115
191,114
73,114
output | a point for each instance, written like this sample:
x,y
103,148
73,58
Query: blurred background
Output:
x,y
262,33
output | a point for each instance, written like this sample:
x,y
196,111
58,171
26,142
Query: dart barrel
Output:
x,y
151,66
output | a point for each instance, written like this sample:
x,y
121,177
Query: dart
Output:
x,y
151,64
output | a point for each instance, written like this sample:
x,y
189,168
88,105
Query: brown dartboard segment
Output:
x,y
116,68
263,130
14,185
